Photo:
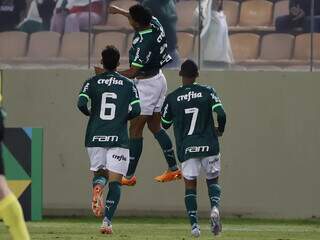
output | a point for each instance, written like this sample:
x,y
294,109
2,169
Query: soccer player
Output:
x,y
10,209
189,108
114,101
147,56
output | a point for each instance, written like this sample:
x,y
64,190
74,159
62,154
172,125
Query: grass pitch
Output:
x,y
170,229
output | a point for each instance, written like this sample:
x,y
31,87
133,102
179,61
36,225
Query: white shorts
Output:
x,y
210,165
113,159
152,93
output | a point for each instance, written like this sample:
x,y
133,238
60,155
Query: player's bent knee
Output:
x,y
136,128
115,177
101,172
154,127
213,178
190,182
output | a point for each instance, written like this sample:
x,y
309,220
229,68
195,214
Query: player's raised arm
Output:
x,y
217,107
84,98
116,10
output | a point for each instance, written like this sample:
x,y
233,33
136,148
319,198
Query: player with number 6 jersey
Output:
x,y
112,96
189,108
114,101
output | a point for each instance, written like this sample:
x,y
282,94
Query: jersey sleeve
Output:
x,y
166,114
84,97
214,99
134,95
218,108
142,52
85,90
134,102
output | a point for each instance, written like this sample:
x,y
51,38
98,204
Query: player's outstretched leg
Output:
x,y
136,144
214,191
112,201
11,213
99,181
173,172
190,200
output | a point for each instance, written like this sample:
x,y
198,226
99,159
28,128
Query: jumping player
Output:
x,y
189,108
114,101
10,209
147,56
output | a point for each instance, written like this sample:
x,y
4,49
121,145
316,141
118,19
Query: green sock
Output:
x,y
214,191
190,199
101,180
135,153
166,146
112,200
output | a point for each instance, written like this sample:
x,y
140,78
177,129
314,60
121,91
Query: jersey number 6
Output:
x,y
110,106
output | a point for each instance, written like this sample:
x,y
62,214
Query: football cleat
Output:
x,y
129,182
195,230
97,201
106,228
216,226
168,176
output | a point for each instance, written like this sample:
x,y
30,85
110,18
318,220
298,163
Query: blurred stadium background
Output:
x,y
255,43
271,146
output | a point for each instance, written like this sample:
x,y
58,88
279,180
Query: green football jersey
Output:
x,y
149,48
111,96
190,108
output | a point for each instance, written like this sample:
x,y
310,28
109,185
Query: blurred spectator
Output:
x,y
165,12
299,17
73,15
39,16
46,8
10,13
215,44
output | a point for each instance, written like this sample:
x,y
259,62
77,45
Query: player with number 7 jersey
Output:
x,y
189,108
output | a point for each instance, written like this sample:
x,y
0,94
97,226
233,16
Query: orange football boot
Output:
x,y
129,182
168,176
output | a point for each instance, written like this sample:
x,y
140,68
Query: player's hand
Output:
x,y
219,134
98,70
114,9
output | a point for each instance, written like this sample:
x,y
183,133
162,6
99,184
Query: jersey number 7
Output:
x,y
194,112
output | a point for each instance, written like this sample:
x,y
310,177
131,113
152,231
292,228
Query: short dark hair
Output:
x,y
189,69
140,14
110,57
